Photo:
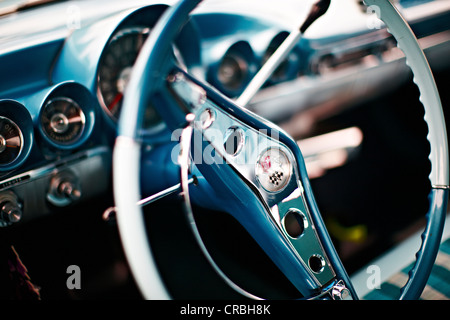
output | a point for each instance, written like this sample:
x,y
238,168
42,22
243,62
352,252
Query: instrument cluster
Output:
x,y
56,137
234,69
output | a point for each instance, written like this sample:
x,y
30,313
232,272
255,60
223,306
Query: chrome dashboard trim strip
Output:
x,y
43,171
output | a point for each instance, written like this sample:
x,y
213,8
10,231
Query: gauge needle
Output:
x,y
115,101
12,142
76,119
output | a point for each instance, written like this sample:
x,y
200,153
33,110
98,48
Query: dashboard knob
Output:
x,y
69,190
10,212
64,189
10,209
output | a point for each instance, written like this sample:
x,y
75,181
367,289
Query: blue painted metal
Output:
x,y
159,168
83,50
431,240
239,200
241,213
27,69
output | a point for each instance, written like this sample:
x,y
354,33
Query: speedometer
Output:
x,y
116,65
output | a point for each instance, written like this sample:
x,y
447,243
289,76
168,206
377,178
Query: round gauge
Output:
x,y
63,121
11,141
273,169
232,71
115,67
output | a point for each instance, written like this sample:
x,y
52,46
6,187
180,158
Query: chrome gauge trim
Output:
x,y
112,108
273,169
19,136
42,172
65,124
34,187
15,149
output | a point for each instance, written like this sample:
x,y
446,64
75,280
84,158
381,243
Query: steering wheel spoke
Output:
x,y
260,180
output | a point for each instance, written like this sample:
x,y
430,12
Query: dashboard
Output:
x,y
65,68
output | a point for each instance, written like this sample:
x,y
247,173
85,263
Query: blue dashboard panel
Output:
x,y
60,60
85,46
27,69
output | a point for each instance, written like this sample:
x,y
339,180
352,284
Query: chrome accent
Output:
x,y
295,194
235,145
308,244
2,144
110,212
64,189
163,193
60,126
207,118
192,95
304,220
340,292
33,186
273,170
325,291
440,187
11,138
256,143
276,215
10,209
320,259
11,212
124,76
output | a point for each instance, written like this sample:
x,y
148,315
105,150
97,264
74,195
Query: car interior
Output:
x,y
343,93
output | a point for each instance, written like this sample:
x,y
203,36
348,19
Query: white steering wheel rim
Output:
x,y
429,95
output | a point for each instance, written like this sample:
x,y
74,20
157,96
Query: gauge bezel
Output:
x,y
244,58
186,51
81,114
20,135
82,98
18,114
126,31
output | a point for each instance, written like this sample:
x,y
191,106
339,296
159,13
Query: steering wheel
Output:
x,y
261,180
